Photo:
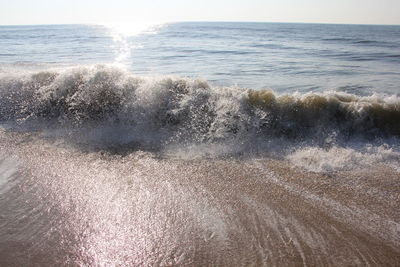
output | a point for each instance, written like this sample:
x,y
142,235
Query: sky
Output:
x,y
17,12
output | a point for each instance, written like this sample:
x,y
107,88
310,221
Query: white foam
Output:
x,y
336,158
109,104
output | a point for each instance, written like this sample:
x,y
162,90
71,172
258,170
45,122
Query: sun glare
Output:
x,y
121,32
132,28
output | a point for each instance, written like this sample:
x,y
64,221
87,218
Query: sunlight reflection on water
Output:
x,y
122,31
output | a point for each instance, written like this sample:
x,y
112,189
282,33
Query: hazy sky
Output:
x,y
106,11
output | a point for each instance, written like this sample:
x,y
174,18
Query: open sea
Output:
x,y
200,144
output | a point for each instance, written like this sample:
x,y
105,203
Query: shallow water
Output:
x,y
62,206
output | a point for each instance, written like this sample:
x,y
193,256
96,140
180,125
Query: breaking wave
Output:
x,y
87,94
113,108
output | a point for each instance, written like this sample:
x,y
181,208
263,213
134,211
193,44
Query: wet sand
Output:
x,y
61,206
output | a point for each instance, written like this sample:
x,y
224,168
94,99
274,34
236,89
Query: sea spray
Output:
x,y
103,94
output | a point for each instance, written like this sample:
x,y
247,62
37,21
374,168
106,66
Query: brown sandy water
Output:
x,y
60,206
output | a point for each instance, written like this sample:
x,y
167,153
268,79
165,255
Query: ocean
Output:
x,y
200,144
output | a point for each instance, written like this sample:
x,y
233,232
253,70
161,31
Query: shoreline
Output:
x,y
96,209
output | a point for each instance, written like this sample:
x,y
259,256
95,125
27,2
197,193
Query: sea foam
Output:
x,y
112,107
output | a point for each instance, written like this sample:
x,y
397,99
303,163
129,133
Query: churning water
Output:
x,y
195,144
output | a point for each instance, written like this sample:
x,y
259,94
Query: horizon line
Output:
x,y
205,21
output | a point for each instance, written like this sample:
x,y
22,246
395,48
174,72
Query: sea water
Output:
x,y
286,57
164,144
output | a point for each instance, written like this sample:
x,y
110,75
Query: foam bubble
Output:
x,y
336,158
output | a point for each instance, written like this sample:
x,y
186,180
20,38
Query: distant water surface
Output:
x,y
282,56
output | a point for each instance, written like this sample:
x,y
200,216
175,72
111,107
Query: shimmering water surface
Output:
x,y
200,144
280,56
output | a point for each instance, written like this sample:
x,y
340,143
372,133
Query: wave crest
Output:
x,y
190,109
346,113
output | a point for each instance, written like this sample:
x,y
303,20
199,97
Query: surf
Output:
x,y
103,94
